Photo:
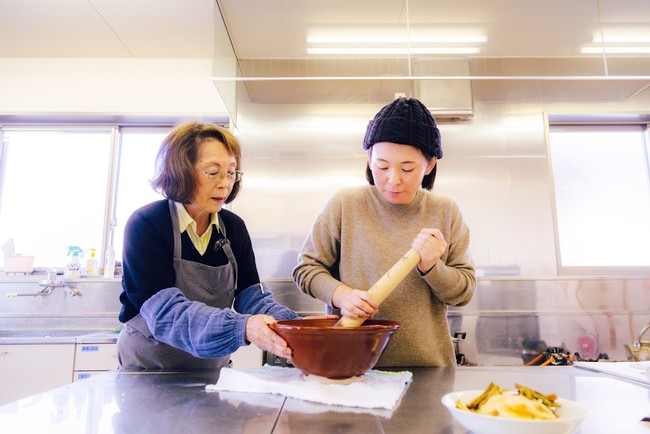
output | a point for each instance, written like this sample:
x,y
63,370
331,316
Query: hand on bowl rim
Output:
x,y
259,333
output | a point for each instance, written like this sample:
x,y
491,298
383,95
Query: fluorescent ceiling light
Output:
x,y
615,50
393,50
391,41
388,39
622,39
619,41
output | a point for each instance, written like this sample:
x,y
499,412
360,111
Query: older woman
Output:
x,y
188,262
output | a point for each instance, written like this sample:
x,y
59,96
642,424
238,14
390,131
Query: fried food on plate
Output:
x,y
524,403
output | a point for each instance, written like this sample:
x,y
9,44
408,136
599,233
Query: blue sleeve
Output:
x,y
258,299
192,326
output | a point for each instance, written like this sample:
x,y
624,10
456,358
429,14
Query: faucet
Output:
x,y
72,290
46,290
47,286
50,282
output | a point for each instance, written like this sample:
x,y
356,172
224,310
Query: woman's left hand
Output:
x,y
430,245
259,333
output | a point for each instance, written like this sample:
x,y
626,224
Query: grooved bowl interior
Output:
x,y
321,349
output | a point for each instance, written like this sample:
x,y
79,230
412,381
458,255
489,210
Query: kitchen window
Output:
x,y
53,190
601,177
74,181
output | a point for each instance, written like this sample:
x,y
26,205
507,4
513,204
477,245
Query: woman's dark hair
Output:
x,y
427,181
176,176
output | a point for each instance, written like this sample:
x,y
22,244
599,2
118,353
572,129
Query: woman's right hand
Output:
x,y
259,333
354,303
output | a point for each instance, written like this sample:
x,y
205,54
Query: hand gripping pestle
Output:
x,y
385,285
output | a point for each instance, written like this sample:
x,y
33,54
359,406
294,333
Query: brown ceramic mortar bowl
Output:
x,y
336,353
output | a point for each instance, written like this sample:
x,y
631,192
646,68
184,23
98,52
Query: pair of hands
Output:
x,y
354,303
259,333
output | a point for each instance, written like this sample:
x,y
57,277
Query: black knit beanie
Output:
x,y
408,122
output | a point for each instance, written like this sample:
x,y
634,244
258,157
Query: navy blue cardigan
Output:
x,y
149,279
147,258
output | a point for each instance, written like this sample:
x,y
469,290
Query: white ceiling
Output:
x,y
524,37
263,29
106,28
520,28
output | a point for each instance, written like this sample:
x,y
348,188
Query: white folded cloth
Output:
x,y
378,389
298,405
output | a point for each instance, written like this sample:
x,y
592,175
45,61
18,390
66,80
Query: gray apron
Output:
x,y
214,286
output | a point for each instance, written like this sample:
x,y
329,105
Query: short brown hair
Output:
x,y
175,173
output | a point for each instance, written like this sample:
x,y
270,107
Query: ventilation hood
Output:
x,y
302,81
447,98
262,52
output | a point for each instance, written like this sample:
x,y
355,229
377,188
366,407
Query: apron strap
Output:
x,y
175,229
227,249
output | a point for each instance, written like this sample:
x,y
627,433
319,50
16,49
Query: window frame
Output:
x,y
116,124
599,120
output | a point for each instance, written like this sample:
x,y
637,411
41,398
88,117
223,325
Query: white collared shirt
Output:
x,y
187,223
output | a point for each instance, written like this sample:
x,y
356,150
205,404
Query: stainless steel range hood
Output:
x,y
300,81
450,98
521,59
267,79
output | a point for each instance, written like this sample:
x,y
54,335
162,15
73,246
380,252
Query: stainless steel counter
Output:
x,y
177,402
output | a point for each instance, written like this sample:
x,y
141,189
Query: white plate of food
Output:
x,y
511,414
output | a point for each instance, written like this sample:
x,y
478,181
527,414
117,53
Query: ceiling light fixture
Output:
x,y
615,50
395,39
392,42
393,50
621,38
618,41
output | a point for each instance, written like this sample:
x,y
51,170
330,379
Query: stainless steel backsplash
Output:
x,y
586,315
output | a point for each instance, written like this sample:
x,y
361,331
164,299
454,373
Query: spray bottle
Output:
x,y
73,267
92,265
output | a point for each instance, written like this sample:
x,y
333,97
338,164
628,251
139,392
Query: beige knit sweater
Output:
x,y
359,235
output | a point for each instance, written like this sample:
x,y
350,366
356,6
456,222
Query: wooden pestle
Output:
x,y
386,284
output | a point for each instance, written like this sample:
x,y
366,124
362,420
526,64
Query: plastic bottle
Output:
x,y
73,267
92,266
109,267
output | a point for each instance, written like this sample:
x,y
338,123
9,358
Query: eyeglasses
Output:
x,y
216,175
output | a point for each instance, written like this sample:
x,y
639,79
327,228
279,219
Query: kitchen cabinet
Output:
x,y
32,365
33,361
94,358
29,369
